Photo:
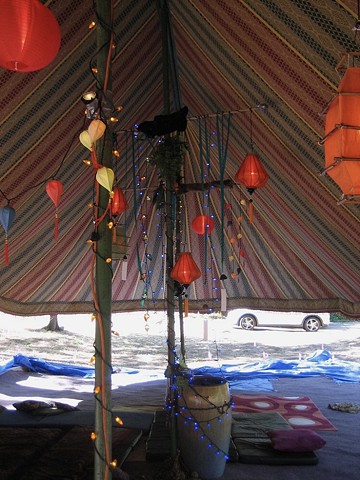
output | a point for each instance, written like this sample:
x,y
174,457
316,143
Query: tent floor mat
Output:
x,y
59,452
249,441
254,446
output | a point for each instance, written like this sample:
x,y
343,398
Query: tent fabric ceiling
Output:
x,y
301,251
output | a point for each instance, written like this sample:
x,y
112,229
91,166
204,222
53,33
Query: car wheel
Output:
x,y
247,322
312,324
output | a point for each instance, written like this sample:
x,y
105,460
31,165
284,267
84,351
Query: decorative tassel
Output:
x,y
186,306
114,235
6,252
223,300
251,211
56,226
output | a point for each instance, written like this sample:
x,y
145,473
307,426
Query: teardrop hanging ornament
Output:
x,y
85,139
105,177
96,130
7,216
54,189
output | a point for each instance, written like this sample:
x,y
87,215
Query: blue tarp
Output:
x,y
37,365
320,363
33,364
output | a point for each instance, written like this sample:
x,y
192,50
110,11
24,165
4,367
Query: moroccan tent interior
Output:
x,y
135,131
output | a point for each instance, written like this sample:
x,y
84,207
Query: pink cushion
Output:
x,y
297,440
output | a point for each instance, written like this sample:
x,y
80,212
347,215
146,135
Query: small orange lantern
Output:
x,y
252,175
185,271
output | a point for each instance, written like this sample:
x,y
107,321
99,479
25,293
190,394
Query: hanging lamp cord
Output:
x,y
223,140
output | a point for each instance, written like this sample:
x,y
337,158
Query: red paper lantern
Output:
x,y
203,224
54,189
252,175
30,35
342,137
185,271
119,203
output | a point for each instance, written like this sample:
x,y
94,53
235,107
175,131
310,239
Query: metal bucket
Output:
x,y
204,425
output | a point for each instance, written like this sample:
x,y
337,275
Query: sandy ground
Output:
x,y
137,343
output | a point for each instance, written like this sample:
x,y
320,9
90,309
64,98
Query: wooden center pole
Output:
x,y
169,199
103,270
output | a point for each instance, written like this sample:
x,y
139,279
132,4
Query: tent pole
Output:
x,y
174,75
169,197
103,270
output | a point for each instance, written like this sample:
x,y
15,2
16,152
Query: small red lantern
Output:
x,y
185,271
30,35
252,175
118,203
54,189
203,224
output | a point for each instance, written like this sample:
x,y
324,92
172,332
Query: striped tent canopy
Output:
x,y
255,76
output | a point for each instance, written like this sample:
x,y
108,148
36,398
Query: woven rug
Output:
x,y
300,412
251,443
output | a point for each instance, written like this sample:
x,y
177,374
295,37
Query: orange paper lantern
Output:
x,y
342,136
30,35
185,271
203,224
252,175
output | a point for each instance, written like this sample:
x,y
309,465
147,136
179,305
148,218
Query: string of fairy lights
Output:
x,y
176,370
100,108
